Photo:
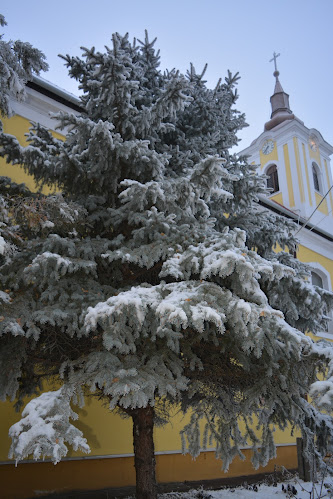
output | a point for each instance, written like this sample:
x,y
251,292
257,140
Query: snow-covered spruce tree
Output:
x,y
18,62
167,290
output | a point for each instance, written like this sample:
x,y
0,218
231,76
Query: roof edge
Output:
x,y
285,212
56,93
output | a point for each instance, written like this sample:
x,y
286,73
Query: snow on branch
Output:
x,y
45,427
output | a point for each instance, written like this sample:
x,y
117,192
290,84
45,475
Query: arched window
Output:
x,y
316,177
317,280
273,179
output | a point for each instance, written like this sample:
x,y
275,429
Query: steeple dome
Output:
x,y
279,102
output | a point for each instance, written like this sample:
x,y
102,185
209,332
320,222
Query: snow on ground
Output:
x,y
297,490
266,491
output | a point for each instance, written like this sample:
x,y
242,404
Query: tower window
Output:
x,y
273,179
316,177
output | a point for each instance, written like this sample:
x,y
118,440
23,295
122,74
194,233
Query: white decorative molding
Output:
x,y
117,456
316,243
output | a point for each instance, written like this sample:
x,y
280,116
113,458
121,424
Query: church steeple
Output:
x,y
296,163
279,102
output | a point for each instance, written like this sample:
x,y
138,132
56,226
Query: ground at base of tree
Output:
x,y
264,486
260,486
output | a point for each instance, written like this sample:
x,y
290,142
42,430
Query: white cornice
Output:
x,y
316,243
60,92
283,211
38,108
288,128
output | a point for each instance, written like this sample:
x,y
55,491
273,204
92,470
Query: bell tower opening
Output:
x,y
273,179
316,177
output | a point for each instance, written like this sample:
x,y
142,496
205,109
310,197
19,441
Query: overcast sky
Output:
x,y
239,35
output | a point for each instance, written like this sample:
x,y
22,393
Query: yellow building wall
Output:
x,y
328,183
299,170
314,154
108,433
307,174
111,462
307,255
19,126
278,198
31,480
323,206
288,175
266,158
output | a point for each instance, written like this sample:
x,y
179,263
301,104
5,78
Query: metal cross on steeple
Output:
x,y
275,56
279,101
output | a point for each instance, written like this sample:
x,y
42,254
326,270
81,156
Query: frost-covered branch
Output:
x,y
45,429
18,62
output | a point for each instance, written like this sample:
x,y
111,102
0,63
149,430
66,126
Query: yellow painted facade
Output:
x,y
109,434
288,174
268,158
278,198
307,255
299,170
307,174
330,193
24,482
315,155
321,203
19,126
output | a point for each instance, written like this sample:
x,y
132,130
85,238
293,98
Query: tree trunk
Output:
x,y
144,456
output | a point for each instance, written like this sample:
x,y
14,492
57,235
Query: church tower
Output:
x,y
296,160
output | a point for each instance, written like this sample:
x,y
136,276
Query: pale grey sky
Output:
x,y
237,35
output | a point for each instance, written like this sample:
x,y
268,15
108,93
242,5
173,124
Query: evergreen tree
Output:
x,y
18,62
156,283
